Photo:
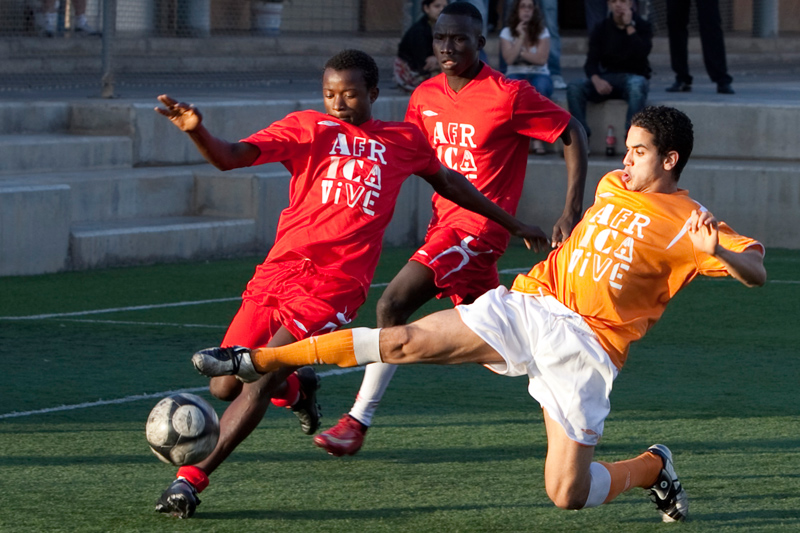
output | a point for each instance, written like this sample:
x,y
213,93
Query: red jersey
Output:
x,y
483,132
625,260
344,187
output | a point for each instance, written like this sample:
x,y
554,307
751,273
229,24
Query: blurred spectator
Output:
x,y
49,18
549,9
415,61
711,37
616,64
525,47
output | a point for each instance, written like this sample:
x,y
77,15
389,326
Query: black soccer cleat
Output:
x,y
179,500
306,408
230,361
667,493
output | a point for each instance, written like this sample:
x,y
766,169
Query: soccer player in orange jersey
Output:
x,y
480,123
347,169
569,322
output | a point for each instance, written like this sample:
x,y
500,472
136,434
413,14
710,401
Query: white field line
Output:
x,y
137,397
136,308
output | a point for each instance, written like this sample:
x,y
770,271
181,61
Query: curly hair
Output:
x,y
356,60
535,25
671,130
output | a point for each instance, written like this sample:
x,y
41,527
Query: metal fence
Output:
x,y
105,45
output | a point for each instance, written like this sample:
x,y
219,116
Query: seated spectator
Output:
x,y
415,61
525,47
616,64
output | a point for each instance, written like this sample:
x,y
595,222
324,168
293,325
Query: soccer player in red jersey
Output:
x,y
480,123
347,169
568,324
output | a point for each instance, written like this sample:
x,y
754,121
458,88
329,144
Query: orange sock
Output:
x,y
640,471
341,348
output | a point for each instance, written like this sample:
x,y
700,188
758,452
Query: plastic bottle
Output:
x,y
611,142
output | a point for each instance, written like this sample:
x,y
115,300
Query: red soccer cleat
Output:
x,y
345,438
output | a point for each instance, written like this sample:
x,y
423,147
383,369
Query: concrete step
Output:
x,y
34,117
59,152
158,240
298,52
109,194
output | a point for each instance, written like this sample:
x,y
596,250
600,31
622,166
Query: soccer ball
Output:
x,y
182,429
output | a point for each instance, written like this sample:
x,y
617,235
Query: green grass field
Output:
x,y
452,448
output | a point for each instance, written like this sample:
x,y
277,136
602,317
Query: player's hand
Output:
x,y
186,117
704,231
535,239
563,228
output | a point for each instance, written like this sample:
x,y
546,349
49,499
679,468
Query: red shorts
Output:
x,y
464,267
295,295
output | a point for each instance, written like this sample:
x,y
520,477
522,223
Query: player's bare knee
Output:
x,y
567,497
390,311
225,388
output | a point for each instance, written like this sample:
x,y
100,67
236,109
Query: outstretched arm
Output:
x,y
458,189
219,152
746,266
575,150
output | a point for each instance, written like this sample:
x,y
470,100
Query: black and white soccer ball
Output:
x,y
182,429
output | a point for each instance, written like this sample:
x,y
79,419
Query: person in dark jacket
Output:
x,y
415,61
616,64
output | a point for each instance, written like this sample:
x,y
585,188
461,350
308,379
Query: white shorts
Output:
x,y
570,374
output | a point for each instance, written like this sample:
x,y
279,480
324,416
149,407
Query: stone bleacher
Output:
x,y
90,183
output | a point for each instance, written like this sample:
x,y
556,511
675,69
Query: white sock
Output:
x,y
366,345
600,487
377,377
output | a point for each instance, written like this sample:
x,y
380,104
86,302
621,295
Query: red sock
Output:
x,y
291,395
195,476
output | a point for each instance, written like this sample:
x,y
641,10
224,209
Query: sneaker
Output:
x,y
82,27
667,493
179,500
231,361
48,24
558,82
345,438
307,408
725,88
679,87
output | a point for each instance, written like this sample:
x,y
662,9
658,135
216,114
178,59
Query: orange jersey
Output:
x,y
628,256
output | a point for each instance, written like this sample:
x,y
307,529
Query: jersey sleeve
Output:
x,y
283,140
426,156
730,240
536,116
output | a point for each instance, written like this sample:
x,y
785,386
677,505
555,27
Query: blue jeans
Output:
x,y
550,11
629,87
541,82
